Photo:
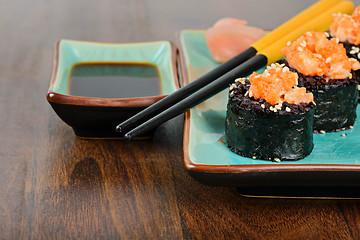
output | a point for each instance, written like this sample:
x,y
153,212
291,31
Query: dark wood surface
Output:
x,y
54,185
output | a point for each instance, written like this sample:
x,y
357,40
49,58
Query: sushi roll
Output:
x,y
325,70
268,117
346,28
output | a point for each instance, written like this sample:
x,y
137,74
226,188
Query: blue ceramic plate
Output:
x,y
335,160
97,117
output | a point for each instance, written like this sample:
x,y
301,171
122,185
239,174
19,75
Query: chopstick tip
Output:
x,y
127,136
118,128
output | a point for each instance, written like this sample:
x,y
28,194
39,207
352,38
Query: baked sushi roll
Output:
x,y
268,117
325,70
346,28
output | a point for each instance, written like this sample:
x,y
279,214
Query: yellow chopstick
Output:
x,y
320,23
295,22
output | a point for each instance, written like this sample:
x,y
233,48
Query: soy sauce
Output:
x,y
124,80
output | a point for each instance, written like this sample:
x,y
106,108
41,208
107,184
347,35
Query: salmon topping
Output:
x,y
276,85
347,28
313,54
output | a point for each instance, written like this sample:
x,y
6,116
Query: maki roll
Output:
x,y
325,70
268,117
346,28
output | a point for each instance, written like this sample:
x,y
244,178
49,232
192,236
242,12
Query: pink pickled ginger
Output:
x,y
229,37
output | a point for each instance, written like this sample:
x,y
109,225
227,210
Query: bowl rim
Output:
x,y
54,97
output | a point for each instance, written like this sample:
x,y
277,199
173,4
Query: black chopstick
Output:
x,y
269,54
185,91
194,86
201,95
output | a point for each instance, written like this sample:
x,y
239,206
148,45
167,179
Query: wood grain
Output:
x,y
57,186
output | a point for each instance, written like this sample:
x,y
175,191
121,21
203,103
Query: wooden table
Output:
x,y
55,185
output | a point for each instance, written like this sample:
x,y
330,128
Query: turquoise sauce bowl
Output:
x,y
96,117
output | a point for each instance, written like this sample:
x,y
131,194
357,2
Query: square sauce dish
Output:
x,y
95,86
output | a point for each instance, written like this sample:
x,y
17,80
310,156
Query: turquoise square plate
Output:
x,y
96,117
335,160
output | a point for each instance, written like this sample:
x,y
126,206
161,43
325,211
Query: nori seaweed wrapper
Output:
x,y
352,52
254,131
336,107
336,100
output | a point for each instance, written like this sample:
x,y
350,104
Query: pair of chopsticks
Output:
x,y
317,17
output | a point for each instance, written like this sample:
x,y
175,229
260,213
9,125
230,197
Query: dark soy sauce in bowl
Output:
x,y
114,80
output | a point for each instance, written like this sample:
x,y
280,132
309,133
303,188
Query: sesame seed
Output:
x,y
328,60
275,110
309,34
247,93
303,44
327,34
285,69
277,160
254,157
351,127
232,93
358,55
250,93
343,129
344,134
241,80
273,65
350,76
322,131
278,107
358,87
354,50
231,87
262,105
288,109
337,40
288,43
271,108
299,49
